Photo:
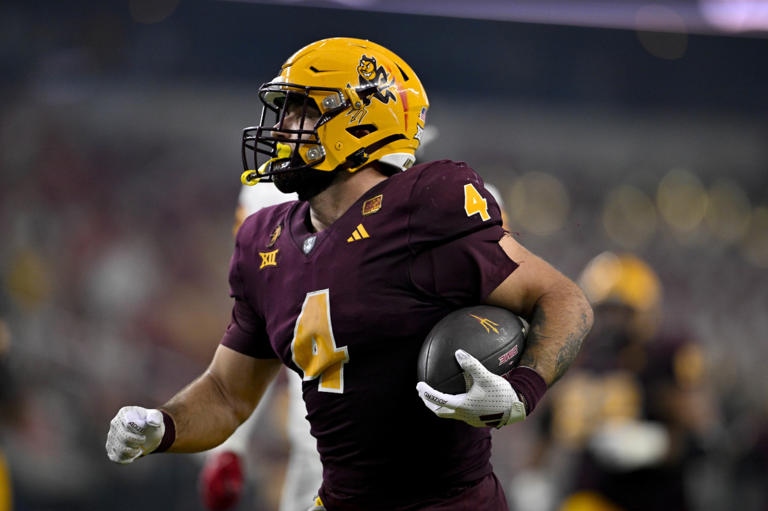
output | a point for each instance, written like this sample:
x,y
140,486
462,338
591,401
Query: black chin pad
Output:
x,y
306,182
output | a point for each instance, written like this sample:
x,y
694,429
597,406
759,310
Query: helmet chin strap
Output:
x,y
362,155
306,182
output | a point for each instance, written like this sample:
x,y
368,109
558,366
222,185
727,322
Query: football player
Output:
x,y
343,285
634,408
222,479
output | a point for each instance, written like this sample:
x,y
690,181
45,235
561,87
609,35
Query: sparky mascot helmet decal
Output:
x,y
358,103
374,79
370,75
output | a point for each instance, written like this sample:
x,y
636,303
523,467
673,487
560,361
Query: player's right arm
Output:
x,y
200,416
207,411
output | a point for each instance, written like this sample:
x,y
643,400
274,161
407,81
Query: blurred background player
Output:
x,y
225,472
634,411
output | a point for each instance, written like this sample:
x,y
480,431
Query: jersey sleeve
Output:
x,y
246,332
454,232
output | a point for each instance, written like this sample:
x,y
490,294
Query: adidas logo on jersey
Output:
x,y
358,234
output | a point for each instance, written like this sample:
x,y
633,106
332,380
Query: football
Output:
x,y
493,335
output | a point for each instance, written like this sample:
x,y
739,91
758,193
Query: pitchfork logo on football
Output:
x,y
487,324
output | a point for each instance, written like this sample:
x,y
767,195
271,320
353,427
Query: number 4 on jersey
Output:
x,y
314,347
474,203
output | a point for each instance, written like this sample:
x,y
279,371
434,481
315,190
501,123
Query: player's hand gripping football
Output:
x,y
133,432
490,401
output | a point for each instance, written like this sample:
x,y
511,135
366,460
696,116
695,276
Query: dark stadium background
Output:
x,y
120,127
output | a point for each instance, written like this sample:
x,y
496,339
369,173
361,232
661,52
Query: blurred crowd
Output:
x,y
113,285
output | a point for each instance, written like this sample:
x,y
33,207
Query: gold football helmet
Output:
x,y
621,278
625,280
365,104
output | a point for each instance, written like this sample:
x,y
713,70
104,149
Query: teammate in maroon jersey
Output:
x,y
343,285
649,413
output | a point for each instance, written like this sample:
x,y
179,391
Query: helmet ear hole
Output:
x,y
361,130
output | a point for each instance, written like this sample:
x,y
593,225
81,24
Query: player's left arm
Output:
x,y
557,310
559,314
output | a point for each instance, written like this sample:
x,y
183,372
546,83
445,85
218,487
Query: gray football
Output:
x,y
493,335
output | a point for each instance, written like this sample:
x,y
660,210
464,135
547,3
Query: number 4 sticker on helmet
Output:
x,y
474,203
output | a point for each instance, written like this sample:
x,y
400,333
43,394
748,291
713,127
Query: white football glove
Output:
x,y
133,432
490,400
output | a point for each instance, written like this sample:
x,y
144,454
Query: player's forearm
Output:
x,y
204,415
559,323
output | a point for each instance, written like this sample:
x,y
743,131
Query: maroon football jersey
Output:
x,y
348,309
